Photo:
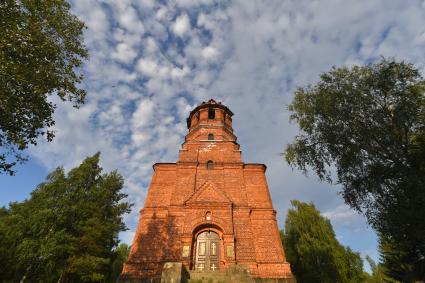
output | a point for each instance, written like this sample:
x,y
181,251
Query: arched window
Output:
x,y
210,164
211,113
210,137
208,216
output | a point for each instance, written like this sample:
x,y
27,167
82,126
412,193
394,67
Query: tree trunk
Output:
x,y
60,277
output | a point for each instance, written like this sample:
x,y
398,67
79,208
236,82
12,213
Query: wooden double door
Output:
x,y
207,251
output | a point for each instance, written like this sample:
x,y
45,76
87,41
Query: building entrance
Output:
x,y
207,251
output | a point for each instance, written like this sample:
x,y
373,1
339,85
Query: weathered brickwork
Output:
x,y
227,197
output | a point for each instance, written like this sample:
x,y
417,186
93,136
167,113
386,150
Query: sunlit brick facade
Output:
x,y
209,189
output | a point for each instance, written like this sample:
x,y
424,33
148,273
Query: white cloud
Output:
x,y
161,13
124,53
343,215
148,67
129,20
179,73
96,21
209,52
143,114
151,45
191,3
181,25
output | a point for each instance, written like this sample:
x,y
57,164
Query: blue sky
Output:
x,y
151,62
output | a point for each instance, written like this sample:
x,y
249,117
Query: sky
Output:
x,y
151,62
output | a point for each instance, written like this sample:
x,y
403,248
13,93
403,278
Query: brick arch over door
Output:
x,y
198,230
201,223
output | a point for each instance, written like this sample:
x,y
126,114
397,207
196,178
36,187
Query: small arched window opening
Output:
x,y
208,216
211,113
210,165
210,137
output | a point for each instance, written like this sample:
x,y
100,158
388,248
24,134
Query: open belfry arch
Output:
x,y
209,210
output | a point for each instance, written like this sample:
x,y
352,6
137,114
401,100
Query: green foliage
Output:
x,y
378,273
399,263
121,254
369,123
68,229
314,252
8,238
41,46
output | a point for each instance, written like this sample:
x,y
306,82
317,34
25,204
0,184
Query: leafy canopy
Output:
x,y
313,250
68,230
121,255
377,273
368,122
41,48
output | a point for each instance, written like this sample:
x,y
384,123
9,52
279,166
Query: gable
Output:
x,y
208,193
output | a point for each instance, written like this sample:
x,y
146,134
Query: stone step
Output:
x,y
206,274
209,280
228,276
207,277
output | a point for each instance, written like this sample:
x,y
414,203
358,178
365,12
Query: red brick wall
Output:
x,y
235,193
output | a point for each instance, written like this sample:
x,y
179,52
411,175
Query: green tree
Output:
x,y
368,122
314,252
398,263
41,49
8,240
68,230
378,272
121,255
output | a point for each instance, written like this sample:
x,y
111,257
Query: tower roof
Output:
x,y
209,103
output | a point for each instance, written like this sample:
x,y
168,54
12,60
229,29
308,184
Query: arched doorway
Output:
x,y
207,252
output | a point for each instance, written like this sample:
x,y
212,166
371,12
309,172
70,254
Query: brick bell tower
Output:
x,y
209,210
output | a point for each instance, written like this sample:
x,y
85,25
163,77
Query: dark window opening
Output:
x,y
210,165
210,137
211,113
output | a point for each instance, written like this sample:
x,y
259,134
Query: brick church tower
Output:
x,y
209,210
